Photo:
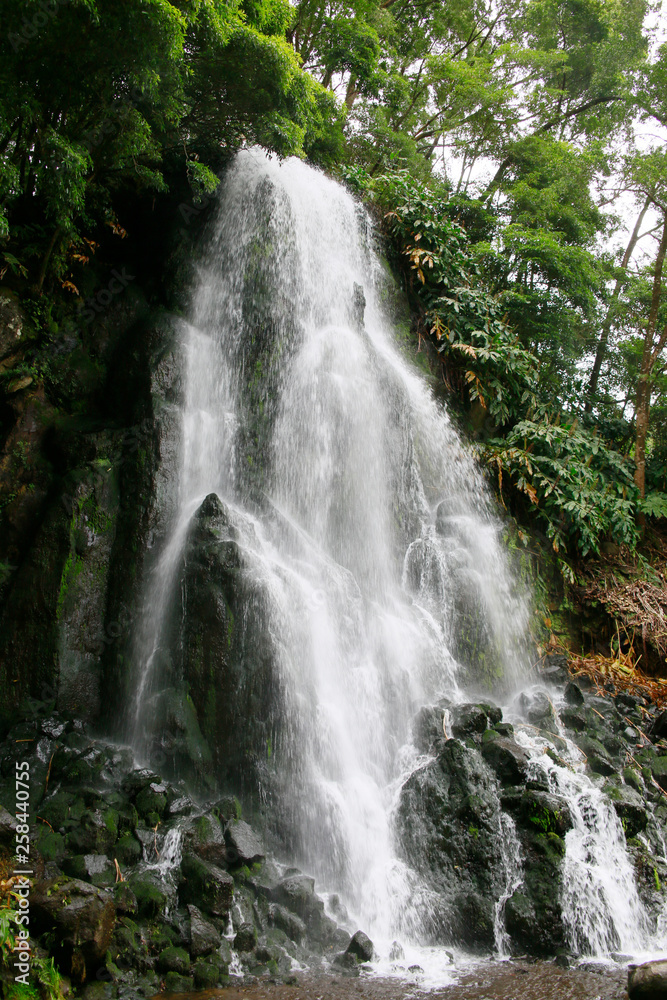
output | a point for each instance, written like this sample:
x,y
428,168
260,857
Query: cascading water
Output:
x,y
357,516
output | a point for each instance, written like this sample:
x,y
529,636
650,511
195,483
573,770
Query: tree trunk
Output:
x,y
649,357
592,389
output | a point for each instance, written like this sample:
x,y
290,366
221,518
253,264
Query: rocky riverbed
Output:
x,y
139,888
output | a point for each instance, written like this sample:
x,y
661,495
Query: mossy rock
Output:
x,y
151,897
206,975
206,886
545,812
50,845
151,802
176,983
659,771
174,960
128,851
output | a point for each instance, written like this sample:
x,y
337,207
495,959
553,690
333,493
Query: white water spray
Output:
x,y
367,527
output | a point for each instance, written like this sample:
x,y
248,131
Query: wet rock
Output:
x,y
470,719
659,771
150,894
288,922
205,885
127,851
174,960
598,758
648,981
204,938
205,836
508,760
427,729
629,807
206,975
94,834
573,694
243,845
139,779
124,899
361,947
554,668
536,706
448,820
347,962
245,938
152,800
520,920
80,916
297,893
8,826
181,806
546,812
176,983
396,953
573,719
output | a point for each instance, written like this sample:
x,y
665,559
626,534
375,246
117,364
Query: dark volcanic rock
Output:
x,y
246,937
243,845
287,922
449,824
508,760
546,812
573,694
82,918
205,837
470,719
536,706
204,938
297,893
205,885
630,808
361,947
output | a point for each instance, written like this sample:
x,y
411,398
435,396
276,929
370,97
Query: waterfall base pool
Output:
x,y
511,980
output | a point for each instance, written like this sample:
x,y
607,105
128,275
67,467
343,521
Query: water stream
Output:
x,y
367,527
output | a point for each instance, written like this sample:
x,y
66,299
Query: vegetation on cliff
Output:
x,y
499,144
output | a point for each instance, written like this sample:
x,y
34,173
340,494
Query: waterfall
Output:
x,y
315,458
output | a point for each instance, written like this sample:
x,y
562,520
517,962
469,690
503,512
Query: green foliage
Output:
x,y
581,491
654,505
463,320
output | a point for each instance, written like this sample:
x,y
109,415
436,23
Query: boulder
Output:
x,y
536,706
648,981
546,812
245,938
659,771
427,729
149,893
630,808
469,719
573,694
206,974
205,836
243,845
288,922
152,800
297,893
204,938
8,826
361,947
659,727
508,760
174,960
205,885
598,758
80,916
